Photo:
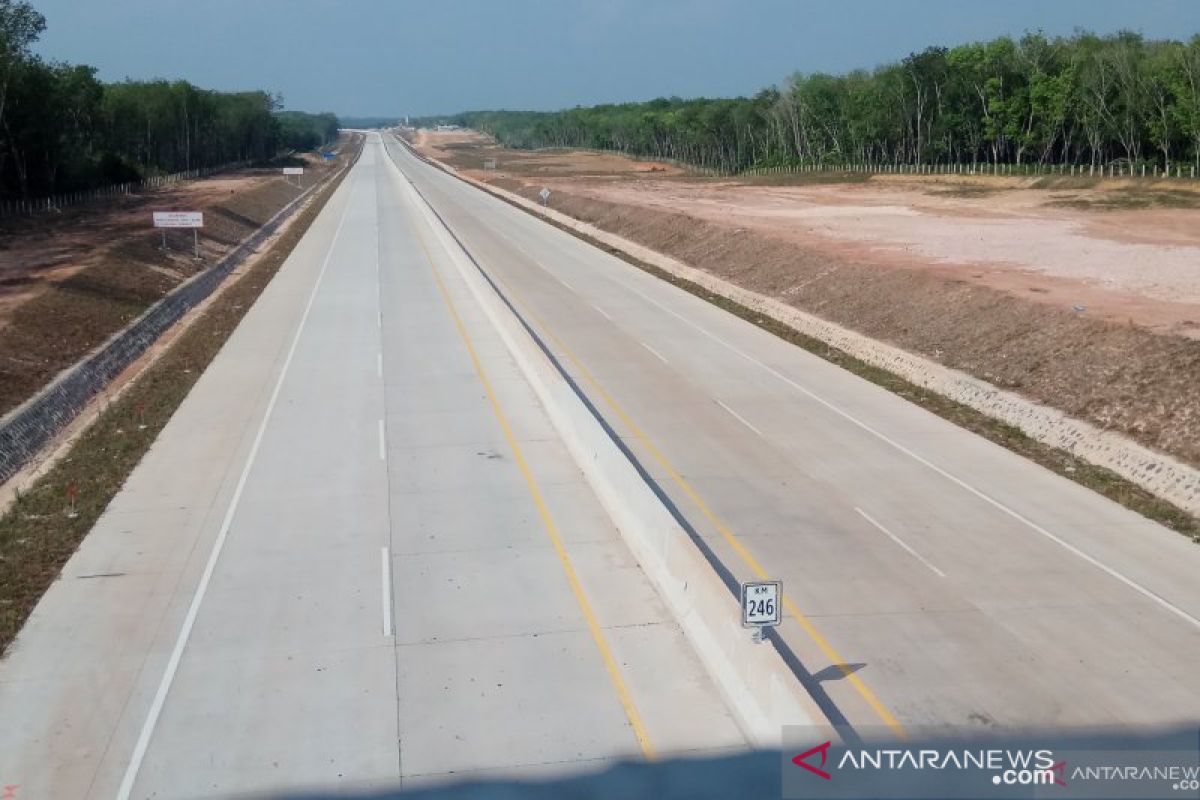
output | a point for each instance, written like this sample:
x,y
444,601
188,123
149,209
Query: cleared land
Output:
x,y
70,280
1081,294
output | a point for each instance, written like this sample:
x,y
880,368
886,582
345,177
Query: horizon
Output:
x,y
538,56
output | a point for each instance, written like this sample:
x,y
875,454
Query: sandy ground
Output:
x,y
1072,247
1011,240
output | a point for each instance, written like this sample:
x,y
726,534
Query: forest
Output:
x,y
63,130
1084,99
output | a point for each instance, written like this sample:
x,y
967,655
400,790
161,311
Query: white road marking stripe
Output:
x,y
1132,584
657,354
738,417
379,364
379,319
899,541
185,631
536,261
386,595
382,442
603,313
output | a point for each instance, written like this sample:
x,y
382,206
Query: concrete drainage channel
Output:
x,y
761,688
28,428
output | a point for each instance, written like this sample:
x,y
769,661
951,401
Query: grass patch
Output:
x,y
1067,182
967,190
1132,198
803,178
37,535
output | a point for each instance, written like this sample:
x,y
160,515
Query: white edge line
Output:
x,y
900,542
1129,582
738,417
654,352
386,592
382,442
185,631
534,259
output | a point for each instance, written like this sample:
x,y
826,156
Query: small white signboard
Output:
x,y
544,194
179,219
293,170
761,604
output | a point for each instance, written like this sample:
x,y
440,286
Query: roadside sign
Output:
x,y
327,156
293,170
544,194
489,163
178,219
761,606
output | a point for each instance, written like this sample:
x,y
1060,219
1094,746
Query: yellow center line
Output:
x,y
727,534
585,606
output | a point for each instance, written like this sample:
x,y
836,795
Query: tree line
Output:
x,y
63,130
1084,99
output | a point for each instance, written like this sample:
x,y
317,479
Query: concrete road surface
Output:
x,y
357,557
932,578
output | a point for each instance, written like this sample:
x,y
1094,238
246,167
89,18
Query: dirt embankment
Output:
x,y
70,280
37,534
1084,295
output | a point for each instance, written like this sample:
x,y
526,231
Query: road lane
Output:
x,y
1057,606
285,670
365,593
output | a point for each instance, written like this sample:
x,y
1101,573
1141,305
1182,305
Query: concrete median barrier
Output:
x,y
760,688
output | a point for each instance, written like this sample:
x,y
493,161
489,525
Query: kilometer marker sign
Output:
x,y
761,606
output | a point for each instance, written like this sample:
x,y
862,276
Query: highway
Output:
x,y
360,555
933,578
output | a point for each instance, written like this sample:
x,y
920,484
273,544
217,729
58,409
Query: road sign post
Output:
x,y
545,195
180,219
297,171
762,606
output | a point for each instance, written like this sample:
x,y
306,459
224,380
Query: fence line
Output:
x,y
10,208
1177,172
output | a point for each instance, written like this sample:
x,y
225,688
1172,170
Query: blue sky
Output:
x,y
384,57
